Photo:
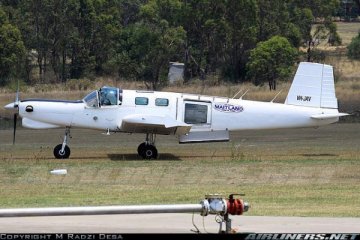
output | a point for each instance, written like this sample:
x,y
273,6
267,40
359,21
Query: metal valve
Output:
x,y
216,204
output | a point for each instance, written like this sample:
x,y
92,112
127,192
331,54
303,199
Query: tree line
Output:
x,y
239,40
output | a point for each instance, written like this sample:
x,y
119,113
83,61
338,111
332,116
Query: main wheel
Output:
x,y
141,149
61,154
148,151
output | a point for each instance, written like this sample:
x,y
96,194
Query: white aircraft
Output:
x,y
311,102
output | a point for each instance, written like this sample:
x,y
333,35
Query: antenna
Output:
x,y
276,96
237,93
244,94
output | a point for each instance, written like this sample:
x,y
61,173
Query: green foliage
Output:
x,y
273,18
319,8
271,60
334,38
12,49
354,48
136,39
241,37
145,48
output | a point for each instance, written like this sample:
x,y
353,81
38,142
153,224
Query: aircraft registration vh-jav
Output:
x,y
311,102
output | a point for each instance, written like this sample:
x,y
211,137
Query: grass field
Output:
x,y
299,172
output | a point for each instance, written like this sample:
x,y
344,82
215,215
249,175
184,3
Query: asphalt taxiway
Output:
x,y
175,223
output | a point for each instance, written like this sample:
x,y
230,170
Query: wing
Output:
x,y
153,124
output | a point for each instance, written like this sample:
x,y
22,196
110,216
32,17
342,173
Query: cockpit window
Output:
x,y
108,96
91,99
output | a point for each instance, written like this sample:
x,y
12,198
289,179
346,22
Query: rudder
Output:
x,y
313,86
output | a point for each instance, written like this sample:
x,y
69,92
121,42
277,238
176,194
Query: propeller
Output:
x,y
11,106
15,121
15,105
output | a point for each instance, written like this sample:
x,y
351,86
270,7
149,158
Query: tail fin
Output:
x,y
313,86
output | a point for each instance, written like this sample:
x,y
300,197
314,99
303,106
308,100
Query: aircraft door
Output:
x,y
197,113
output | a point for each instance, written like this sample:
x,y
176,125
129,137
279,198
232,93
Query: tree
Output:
x,y
316,13
220,34
145,54
129,11
33,21
354,48
203,21
271,60
145,49
278,17
357,2
241,36
137,38
12,50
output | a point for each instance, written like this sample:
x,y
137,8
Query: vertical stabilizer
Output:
x,y
313,86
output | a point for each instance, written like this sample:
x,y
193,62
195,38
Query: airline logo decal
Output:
x,y
228,108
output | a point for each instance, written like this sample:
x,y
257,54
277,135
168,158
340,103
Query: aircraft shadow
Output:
x,y
135,157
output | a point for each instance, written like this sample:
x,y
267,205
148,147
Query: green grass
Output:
x,y
299,172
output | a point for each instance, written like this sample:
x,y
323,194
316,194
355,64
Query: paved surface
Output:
x,y
175,223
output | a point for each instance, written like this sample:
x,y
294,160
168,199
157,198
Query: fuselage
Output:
x,y
203,113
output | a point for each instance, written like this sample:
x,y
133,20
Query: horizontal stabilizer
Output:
x,y
328,116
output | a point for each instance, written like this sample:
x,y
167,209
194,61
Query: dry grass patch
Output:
x,y
299,172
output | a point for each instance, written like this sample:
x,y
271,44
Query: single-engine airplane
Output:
x,y
311,102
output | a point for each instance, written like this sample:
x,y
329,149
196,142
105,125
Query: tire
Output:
x,y
141,149
61,155
149,152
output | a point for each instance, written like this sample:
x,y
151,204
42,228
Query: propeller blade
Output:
x,y
16,104
15,121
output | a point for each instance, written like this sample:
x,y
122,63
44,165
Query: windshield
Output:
x,y
91,99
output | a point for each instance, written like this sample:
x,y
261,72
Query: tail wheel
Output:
x,y
61,154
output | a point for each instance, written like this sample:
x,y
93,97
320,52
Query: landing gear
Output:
x,y
147,149
61,154
62,151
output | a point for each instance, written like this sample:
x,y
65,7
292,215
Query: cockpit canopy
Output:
x,y
105,96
